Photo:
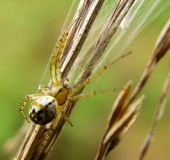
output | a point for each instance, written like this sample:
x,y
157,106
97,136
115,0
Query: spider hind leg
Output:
x,y
61,110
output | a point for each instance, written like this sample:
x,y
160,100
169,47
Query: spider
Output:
x,y
51,99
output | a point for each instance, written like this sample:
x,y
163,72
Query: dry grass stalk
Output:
x,y
85,17
158,114
163,44
123,115
105,35
161,48
40,139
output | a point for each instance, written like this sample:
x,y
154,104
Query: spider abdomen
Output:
x,y
43,110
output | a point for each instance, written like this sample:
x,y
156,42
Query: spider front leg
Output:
x,y
26,99
44,89
55,65
80,86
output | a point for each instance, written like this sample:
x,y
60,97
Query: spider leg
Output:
x,y
61,110
84,95
55,64
96,74
26,99
44,89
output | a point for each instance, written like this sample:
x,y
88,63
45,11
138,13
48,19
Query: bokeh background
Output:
x,y
28,31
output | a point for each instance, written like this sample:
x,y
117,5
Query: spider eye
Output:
x,y
65,85
43,110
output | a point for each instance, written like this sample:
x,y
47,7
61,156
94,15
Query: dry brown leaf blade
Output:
x,y
119,103
119,129
163,42
118,126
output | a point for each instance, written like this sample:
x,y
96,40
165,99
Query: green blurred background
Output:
x,y
28,31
